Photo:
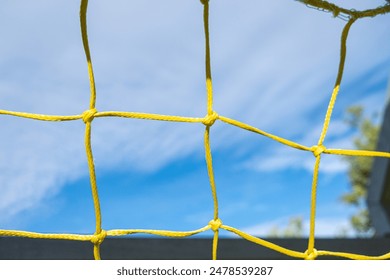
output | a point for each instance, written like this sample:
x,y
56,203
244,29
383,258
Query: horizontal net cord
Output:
x,y
353,256
41,117
88,117
173,118
264,243
266,134
345,13
112,232
148,116
362,153
183,234
29,234
298,254
166,233
156,117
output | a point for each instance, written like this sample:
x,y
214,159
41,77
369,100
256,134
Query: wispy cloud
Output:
x,y
271,69
325,227
277,158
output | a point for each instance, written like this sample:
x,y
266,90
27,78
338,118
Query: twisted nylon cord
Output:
x,y
208,121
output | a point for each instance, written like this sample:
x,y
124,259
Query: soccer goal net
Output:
x,y
318,149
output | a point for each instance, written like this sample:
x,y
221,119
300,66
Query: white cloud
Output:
x,y
270,67
36,160
278,158
325,227
283,159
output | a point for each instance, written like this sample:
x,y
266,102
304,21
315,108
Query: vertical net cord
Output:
x,y
84,34
209,164
89,114
209,86
343,54
210,113
311,252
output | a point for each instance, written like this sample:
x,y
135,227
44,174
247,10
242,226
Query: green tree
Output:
x,y
359,170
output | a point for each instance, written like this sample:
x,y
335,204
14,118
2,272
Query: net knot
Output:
x,y
215,224
98,239
89,115
336,12
210,119
312,255
317,150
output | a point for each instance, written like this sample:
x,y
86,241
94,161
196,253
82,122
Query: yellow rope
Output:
x,y
211,117
264,243
88,117
84,35
343,54
18,233
41,117
209,86
266,134
349,13
319,148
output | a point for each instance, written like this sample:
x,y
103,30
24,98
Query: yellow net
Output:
x,y
211,117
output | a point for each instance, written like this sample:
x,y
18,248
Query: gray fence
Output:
x,y
12,248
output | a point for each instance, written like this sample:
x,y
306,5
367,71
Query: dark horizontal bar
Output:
x,y
16,248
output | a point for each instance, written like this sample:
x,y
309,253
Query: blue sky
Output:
x,y
274,64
